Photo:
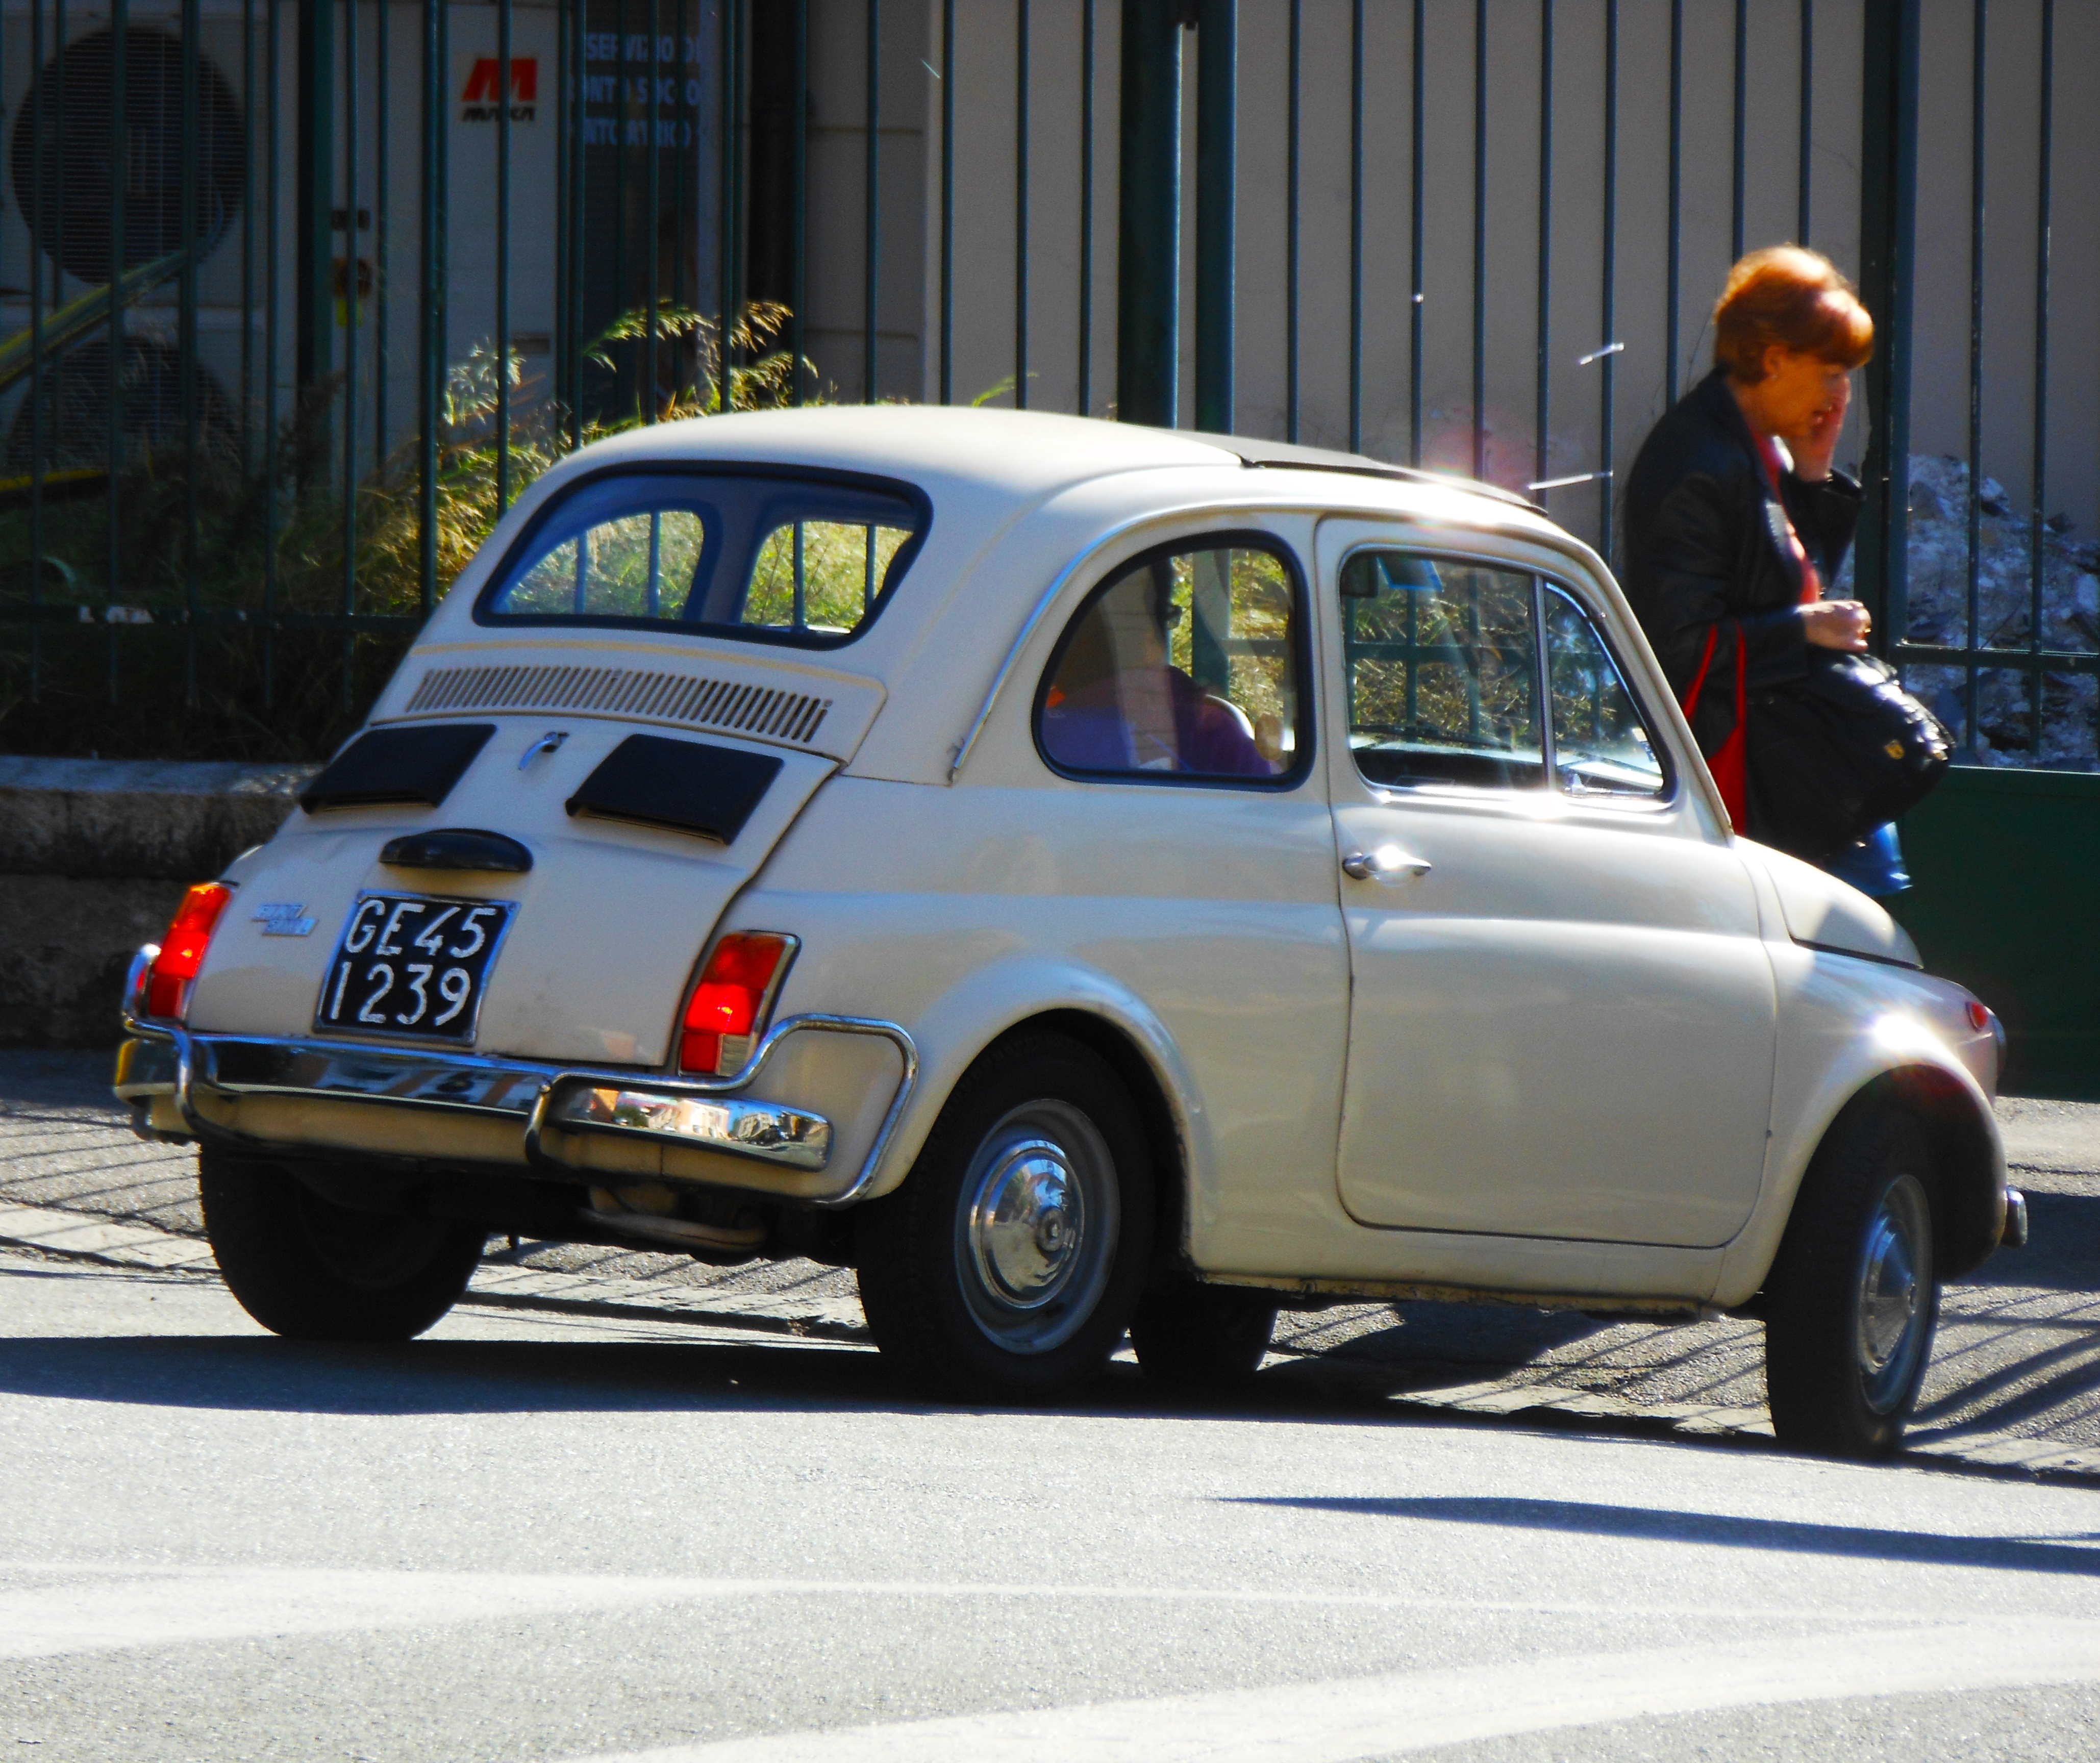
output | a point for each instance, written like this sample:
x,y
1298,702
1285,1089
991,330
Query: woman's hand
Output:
x,y
1813,446
1837,624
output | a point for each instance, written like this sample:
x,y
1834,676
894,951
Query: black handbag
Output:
x,y
1836,753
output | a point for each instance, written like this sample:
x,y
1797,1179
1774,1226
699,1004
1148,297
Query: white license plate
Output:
x,y
412,965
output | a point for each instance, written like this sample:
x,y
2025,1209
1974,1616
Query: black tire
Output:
x,y
1007,1266
1204,1338
315,1272
1853,1295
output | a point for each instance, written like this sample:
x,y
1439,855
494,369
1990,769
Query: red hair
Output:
x,y
1789,297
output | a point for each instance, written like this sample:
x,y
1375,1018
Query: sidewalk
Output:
x,y
2015,1377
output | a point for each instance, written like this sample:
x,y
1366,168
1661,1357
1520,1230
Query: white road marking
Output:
x,y
1342,1722
80,1607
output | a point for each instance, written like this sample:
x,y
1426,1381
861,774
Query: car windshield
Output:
x,y
781,559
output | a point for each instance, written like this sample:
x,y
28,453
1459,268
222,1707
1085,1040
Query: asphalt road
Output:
x,y
567,1537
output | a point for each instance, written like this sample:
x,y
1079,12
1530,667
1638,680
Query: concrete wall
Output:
x,y
94,855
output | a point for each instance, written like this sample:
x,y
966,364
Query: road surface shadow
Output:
x,y
265,1374
1646,1524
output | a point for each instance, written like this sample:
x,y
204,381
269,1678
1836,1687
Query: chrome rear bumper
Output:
x,y
161,1059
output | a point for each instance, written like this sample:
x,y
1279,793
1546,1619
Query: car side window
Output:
x,y
1443,672
1187,663
1601,745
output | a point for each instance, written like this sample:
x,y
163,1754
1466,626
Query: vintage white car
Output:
x,y
1086,878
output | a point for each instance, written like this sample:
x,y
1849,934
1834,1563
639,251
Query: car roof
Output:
x,y
1027,454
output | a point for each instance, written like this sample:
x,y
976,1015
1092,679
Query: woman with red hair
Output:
x,y
1735,520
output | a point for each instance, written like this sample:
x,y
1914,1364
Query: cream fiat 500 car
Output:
x,y
1086,878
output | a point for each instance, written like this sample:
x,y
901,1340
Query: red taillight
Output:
x,y
726,1004
168,980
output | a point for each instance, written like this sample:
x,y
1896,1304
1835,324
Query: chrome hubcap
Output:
x,y
1037,1228
1895,1294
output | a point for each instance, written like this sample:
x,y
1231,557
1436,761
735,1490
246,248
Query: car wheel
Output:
x,y
303,1268
1852,1297
1008,1264
1191,1337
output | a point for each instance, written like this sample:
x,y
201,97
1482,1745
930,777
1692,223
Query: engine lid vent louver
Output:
x,y
733,707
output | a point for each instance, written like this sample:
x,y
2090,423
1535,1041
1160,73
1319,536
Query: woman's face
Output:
x,y
1797,387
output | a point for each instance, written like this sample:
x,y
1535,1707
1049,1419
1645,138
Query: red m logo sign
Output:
x,y
524,81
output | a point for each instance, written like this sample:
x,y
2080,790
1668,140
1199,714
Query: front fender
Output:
x,y
954,1027
1846,1024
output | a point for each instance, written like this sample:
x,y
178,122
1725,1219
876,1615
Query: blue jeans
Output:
x,y
1874,865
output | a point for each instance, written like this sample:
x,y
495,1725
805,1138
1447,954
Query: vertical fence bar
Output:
x,y
273,58
38,130
186,350
734,104
1805,202
503,28
313,118
727,292
579,133
1888,224
350,106
1545,323
1149,215
1741,145
248,98
119,158
1020,205
681,207
1480,238
1415,235
652,372
564,310
948,201
58,135
1291,203
1217,153
1356,227
1608,306
2044,179
798,177
871,257
1979,11
1674,246
430,344
1085,385
382,127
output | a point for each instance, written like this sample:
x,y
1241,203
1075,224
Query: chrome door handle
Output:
x,y
1388,864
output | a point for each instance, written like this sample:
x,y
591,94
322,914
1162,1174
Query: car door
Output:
x,y
1562,1013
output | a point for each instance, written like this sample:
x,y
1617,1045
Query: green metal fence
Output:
x,y
372,264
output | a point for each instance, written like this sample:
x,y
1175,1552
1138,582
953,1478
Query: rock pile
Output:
x,y
1939,559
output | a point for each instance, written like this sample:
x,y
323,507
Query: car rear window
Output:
x,y
769,556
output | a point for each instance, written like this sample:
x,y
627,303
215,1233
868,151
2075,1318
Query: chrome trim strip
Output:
x,y
527,1091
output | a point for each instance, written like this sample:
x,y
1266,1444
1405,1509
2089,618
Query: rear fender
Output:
x,y
955,1027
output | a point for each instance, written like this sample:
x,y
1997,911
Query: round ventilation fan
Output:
x,y
68,207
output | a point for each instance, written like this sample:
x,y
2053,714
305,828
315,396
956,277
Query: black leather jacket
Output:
x,y
1705,544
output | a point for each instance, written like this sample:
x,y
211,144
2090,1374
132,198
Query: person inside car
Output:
x,y
1118,704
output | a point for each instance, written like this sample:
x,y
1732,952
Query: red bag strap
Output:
x,y
1742,675
1698,681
